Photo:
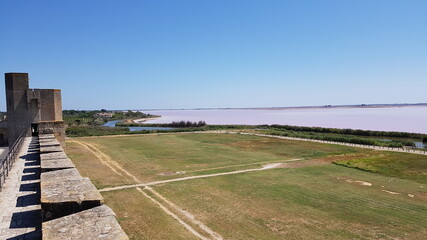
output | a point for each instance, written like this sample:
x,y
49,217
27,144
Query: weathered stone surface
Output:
x,y
66,197
50,142
18,116
53,156
57,164
55,127
48,149
46,140
60,175
95,223
46,136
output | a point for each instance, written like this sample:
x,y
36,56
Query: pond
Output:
x,y
416,144
134,129
419,145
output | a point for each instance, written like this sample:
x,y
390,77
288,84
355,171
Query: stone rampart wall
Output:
x,y
57,128
72,207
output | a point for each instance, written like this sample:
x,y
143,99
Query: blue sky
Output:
x,y
136,54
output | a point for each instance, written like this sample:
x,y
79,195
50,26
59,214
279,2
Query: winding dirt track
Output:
x,y
265,167
188,215
176,217
106,160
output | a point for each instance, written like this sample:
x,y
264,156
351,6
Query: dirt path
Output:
x,y
188,215
242,165
265,167
106,160
167,211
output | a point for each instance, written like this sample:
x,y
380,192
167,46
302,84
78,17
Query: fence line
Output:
x,y
392,149
11,156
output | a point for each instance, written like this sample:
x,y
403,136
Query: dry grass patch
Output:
x,y
142,219
90,166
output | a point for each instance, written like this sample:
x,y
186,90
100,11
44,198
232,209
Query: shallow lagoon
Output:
x,y
404,119
134,129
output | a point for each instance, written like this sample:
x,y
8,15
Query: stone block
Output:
x,y
55,128
46,136
61,175
96,223
50,142
53,156
57,164
48,149
66,197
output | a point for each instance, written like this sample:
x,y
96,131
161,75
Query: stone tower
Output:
x,y
18,115
37,109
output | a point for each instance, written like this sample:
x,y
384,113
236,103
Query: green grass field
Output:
x,y
306,198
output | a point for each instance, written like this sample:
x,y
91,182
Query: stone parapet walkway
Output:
x,y
20,211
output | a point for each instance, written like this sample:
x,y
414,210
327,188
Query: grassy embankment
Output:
x,y
86,123
307,199
88,119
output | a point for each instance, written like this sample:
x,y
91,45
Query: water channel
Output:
x,y
134,129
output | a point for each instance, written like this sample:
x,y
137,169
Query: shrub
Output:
x,y
188,124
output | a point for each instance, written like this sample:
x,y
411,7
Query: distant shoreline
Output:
x,y
300,107
397,117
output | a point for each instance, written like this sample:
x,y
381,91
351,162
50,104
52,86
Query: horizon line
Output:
x,y
374,105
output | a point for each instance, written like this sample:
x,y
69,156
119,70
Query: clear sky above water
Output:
x,y
136,54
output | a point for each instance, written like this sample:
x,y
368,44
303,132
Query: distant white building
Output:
x,y
103,115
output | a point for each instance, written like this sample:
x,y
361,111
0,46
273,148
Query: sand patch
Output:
x,y
393,193
272,165
422,195
357,182
171,173
363,183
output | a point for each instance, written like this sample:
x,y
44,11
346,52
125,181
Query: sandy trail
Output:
x,y
242,165
106,160
167,211
188,215
265,167
393,193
